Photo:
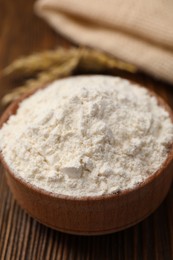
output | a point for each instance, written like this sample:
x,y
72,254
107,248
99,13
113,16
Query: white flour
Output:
x,y
87,136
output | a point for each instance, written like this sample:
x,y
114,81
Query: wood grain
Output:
x,y
21,237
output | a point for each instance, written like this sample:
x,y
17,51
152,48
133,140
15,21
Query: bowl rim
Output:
x,y
11,110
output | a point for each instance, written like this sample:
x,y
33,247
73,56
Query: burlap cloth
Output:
x,y
139,32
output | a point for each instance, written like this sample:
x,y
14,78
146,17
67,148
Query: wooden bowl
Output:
x,y
91,215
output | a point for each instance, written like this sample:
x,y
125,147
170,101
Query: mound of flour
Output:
x,y
87,136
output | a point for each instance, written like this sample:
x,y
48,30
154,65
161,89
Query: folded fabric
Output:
x,y
136,31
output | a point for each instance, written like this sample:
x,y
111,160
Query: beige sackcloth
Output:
x,y
136,31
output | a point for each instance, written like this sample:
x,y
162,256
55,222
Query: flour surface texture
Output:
x,y
87,136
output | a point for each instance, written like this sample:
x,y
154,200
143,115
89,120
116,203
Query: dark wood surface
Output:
x,y
21,237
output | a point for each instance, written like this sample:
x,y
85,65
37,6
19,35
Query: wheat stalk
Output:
x,y
99,61
45,67
30,65
43,78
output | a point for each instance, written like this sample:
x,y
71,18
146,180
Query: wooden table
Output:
x,y
21,237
